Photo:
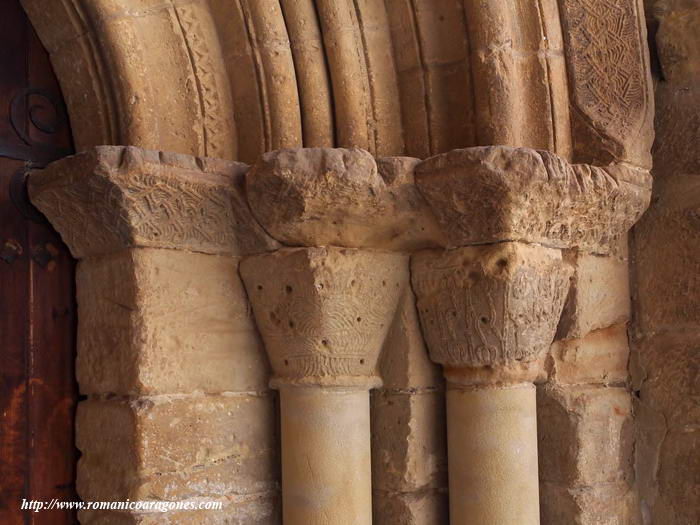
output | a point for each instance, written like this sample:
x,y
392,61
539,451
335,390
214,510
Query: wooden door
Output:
x,y
38,392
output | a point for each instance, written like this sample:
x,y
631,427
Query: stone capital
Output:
x,y
114,197
499,193
324,312
493,306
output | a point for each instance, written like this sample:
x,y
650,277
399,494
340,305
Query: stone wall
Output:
x,y
584,408
666,333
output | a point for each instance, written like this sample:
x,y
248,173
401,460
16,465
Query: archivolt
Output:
x,y
235,78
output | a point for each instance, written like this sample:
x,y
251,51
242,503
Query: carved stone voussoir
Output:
x,y
609,81
341,197
489,305
499,193
114,197
324,312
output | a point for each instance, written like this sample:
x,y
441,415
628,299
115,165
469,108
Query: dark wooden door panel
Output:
x,y
38,393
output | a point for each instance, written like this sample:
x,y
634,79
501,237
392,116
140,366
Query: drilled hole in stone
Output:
x,y
484,320
324,342
288,289
291,324
362,361
383,283
286,362
353,282
359,319
260,287
454,314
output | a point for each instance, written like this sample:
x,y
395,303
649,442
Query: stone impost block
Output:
x,y
156,321
340,197
114,197
324,312
486,306
499,193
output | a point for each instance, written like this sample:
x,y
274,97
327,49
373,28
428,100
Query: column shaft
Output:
x,y
492,450
326,464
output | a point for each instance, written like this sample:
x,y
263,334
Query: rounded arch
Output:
x,y
235,78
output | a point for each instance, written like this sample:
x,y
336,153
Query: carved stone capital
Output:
x,y
499,193
324,312
341,197
115,197
490,306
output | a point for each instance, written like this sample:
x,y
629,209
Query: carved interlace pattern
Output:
x,y
131,197
606,62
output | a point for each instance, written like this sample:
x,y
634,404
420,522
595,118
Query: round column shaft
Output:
x,y
326,465
492,448
489,314
323,314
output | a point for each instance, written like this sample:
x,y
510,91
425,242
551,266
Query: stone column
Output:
x,y
324,314
489,314
490,304
324,310
175,376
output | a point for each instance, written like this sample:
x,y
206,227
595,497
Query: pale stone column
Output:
x,y
488,314
490,304
323,314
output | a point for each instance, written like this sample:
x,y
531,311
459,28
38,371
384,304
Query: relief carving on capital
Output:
x,y
493,305
324,312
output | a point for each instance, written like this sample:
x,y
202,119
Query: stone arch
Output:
x,y
235,78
